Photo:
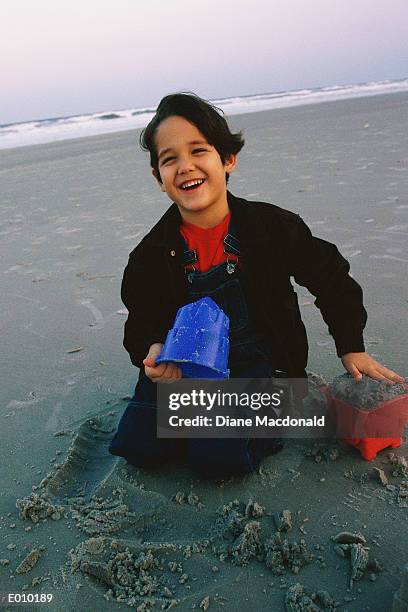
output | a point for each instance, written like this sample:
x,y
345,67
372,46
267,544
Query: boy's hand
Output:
x,y
164,372
358,364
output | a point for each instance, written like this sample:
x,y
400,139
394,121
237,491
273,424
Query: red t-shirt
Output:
x,y
208,243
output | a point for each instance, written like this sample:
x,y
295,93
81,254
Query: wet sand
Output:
x,y
70,214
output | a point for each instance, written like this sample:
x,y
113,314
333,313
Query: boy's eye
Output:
x,y
199,150
167,159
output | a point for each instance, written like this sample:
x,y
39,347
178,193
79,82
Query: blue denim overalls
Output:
x,y
215,457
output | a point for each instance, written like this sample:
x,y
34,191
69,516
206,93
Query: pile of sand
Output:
x,y
366,393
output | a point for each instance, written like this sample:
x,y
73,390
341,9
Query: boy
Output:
x,y
240,253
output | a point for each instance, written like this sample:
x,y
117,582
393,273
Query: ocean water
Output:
x,y
77,126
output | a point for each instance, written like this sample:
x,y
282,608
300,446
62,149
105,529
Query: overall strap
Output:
x,y
231,246
231,242
189,257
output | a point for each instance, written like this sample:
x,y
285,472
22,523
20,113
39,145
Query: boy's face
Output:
x,y
191,170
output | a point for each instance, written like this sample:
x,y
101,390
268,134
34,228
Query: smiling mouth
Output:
x,y
192,185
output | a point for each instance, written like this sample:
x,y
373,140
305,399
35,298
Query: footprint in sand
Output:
x,y
88,459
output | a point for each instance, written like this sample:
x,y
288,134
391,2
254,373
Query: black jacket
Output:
x,y
275,245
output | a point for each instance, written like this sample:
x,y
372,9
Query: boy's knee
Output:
x,y
220,458
212,460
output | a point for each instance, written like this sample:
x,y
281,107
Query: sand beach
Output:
x,y
98,534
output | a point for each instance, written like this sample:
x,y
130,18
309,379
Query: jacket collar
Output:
x,y
248,227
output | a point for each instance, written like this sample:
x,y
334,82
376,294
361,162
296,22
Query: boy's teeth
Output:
x,y
192,183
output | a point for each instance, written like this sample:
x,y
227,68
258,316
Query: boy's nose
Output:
x,y
185,165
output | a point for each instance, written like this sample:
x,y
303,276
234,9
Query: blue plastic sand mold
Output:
x,y
198,341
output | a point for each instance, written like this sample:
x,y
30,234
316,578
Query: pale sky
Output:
x,y
60,57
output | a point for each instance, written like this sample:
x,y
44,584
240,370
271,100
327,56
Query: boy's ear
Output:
x,y
231,163
157,177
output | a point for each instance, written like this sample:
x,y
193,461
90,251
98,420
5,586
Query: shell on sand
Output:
x,y
359,561
348,537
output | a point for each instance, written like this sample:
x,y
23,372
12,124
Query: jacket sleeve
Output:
x,y
144,325
318,266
